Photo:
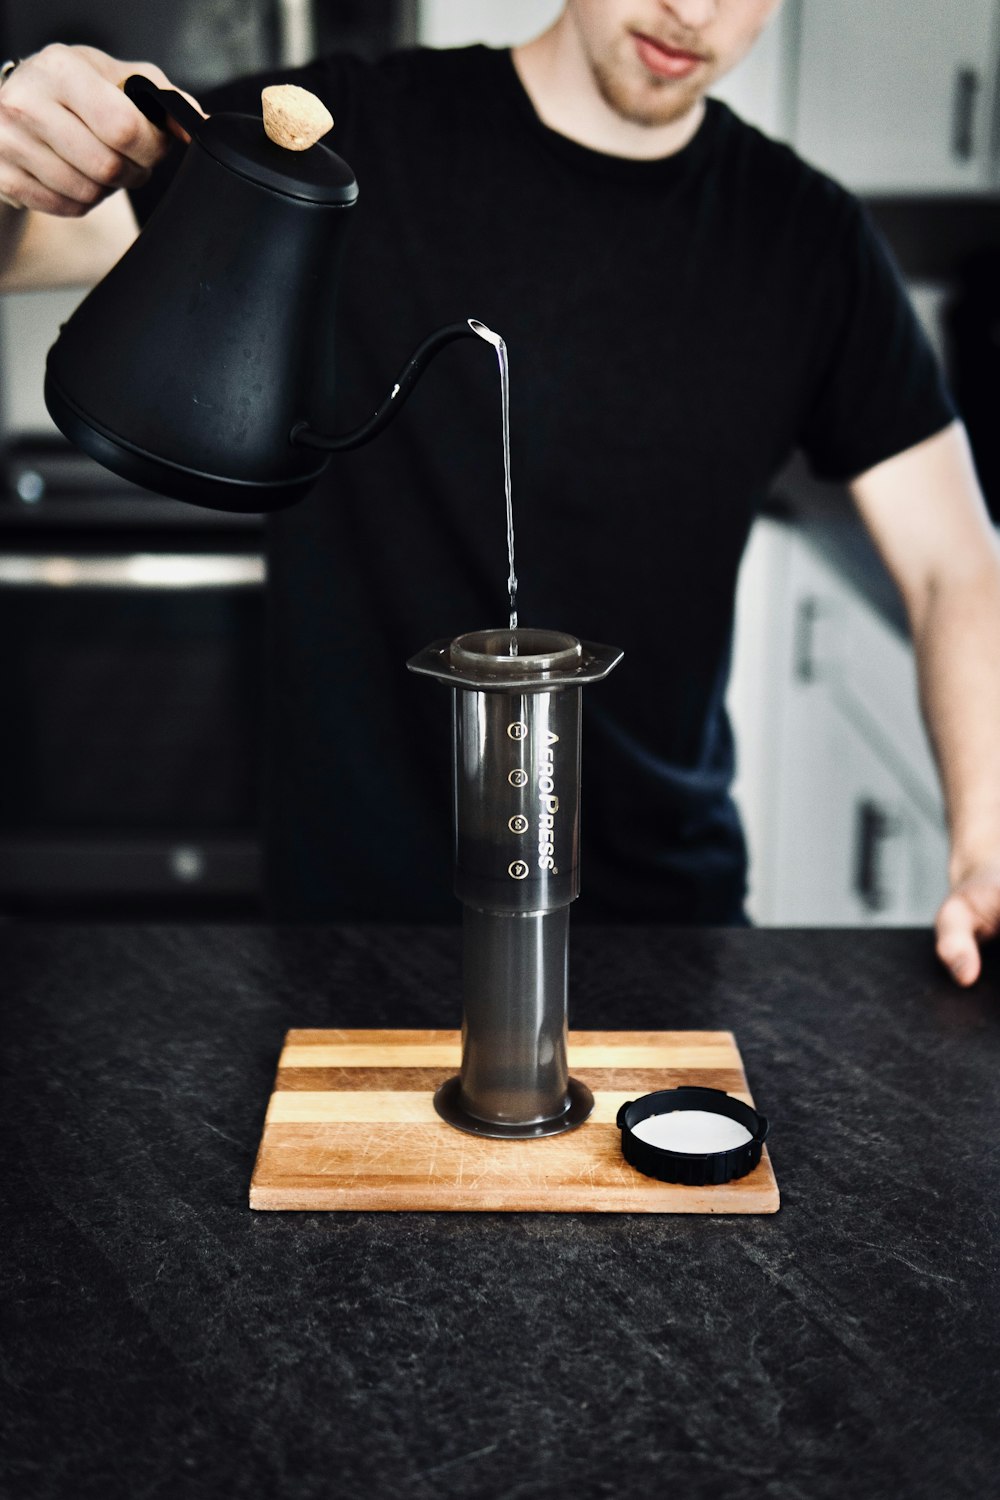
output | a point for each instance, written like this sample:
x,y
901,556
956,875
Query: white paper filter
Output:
x,y
695,1131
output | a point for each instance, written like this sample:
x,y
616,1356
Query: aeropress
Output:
x,y
516,713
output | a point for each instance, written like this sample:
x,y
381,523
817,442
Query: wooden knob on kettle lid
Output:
x,y
293,117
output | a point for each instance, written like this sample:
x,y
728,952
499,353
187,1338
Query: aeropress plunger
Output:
x,y
516,772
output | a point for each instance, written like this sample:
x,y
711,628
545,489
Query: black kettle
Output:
x,y
201,367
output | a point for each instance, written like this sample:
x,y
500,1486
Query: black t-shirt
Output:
x,y
676,328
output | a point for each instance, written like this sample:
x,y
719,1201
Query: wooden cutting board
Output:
x,y
351,1125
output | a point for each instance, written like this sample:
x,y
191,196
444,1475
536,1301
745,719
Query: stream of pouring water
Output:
x,y
501,348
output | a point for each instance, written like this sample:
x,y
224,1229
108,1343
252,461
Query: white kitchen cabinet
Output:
x,y
898,96
837,785
851,845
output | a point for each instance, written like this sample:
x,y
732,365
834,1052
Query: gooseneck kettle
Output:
x,y
201,367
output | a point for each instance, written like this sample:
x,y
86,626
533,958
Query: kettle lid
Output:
x,y
240,142
317,175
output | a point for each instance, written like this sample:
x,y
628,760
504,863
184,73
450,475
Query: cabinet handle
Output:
x,y
804,640
875,826
963,114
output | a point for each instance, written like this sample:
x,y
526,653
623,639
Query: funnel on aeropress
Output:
x,y
516,771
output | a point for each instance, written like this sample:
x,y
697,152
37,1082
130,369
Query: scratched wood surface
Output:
x,y
351,1125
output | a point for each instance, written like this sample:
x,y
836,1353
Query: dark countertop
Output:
x,y
160,1339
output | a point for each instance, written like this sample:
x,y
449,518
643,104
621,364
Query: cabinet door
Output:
x,y
896,95
853,848
844,822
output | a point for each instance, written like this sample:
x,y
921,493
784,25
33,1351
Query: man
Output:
x,y
685,303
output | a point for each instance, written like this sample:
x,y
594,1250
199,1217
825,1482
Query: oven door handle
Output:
x,y
138,570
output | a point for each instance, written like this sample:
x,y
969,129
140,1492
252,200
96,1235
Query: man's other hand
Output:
x,y
968,917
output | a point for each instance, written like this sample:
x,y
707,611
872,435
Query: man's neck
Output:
x,y
558,80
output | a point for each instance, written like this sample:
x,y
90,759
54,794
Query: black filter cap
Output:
x,y
693,1168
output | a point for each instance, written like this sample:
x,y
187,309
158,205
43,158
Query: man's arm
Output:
x,y
69,139
926,514
39,250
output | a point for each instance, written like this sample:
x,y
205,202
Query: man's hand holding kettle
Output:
x,y
68,136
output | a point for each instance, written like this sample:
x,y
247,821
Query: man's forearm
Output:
x,y
47,252
926,513
13,223
957,638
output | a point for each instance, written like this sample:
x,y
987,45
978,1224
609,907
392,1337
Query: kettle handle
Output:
x,y
159,105
302,435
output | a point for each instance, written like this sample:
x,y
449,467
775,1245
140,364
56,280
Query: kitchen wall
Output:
x,y
445,23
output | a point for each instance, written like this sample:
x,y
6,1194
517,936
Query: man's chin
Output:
x,y
651,105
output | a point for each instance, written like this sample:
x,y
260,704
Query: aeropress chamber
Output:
x,y
516,714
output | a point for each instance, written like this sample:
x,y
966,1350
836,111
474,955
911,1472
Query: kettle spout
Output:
x,y
304,436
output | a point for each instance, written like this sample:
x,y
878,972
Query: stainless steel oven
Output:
x,y
132,713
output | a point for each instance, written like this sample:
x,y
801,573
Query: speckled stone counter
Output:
x,y
160,1339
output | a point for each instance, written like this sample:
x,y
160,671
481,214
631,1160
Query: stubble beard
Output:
x,y
651,101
